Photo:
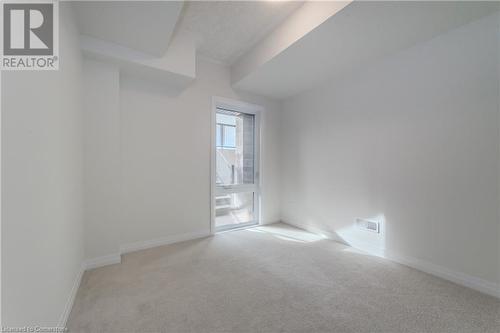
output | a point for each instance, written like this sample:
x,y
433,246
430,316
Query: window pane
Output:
x,y
247,148
235,150
218,138
234,208
226,119
229,136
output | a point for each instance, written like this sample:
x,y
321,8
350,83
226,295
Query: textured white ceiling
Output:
x,y
224,30
145,26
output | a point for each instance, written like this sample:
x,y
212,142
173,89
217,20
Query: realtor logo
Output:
x,y
29,35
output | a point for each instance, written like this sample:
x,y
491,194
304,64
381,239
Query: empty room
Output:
x,y
250,166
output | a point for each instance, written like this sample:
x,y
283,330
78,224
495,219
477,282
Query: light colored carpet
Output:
x,y
272,279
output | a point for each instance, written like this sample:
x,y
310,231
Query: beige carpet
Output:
x,y
272,279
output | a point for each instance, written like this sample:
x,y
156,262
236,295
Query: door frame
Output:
x,y
239,106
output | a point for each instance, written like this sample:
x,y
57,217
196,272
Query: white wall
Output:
x,y
164,146
412,140
42,231
102,173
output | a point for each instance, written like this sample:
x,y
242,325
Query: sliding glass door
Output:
x,y
236,187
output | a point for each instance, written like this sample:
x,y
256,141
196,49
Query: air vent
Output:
x,y
372,226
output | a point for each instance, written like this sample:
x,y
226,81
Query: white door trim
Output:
x,y
230,104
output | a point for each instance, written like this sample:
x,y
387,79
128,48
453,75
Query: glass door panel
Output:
x,y
234,209
235,192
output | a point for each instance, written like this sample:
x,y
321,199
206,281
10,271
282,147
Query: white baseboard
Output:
x,y
71,299
103,261
472,282
136,246
462,279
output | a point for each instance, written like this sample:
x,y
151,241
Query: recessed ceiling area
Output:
x,y
225,30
